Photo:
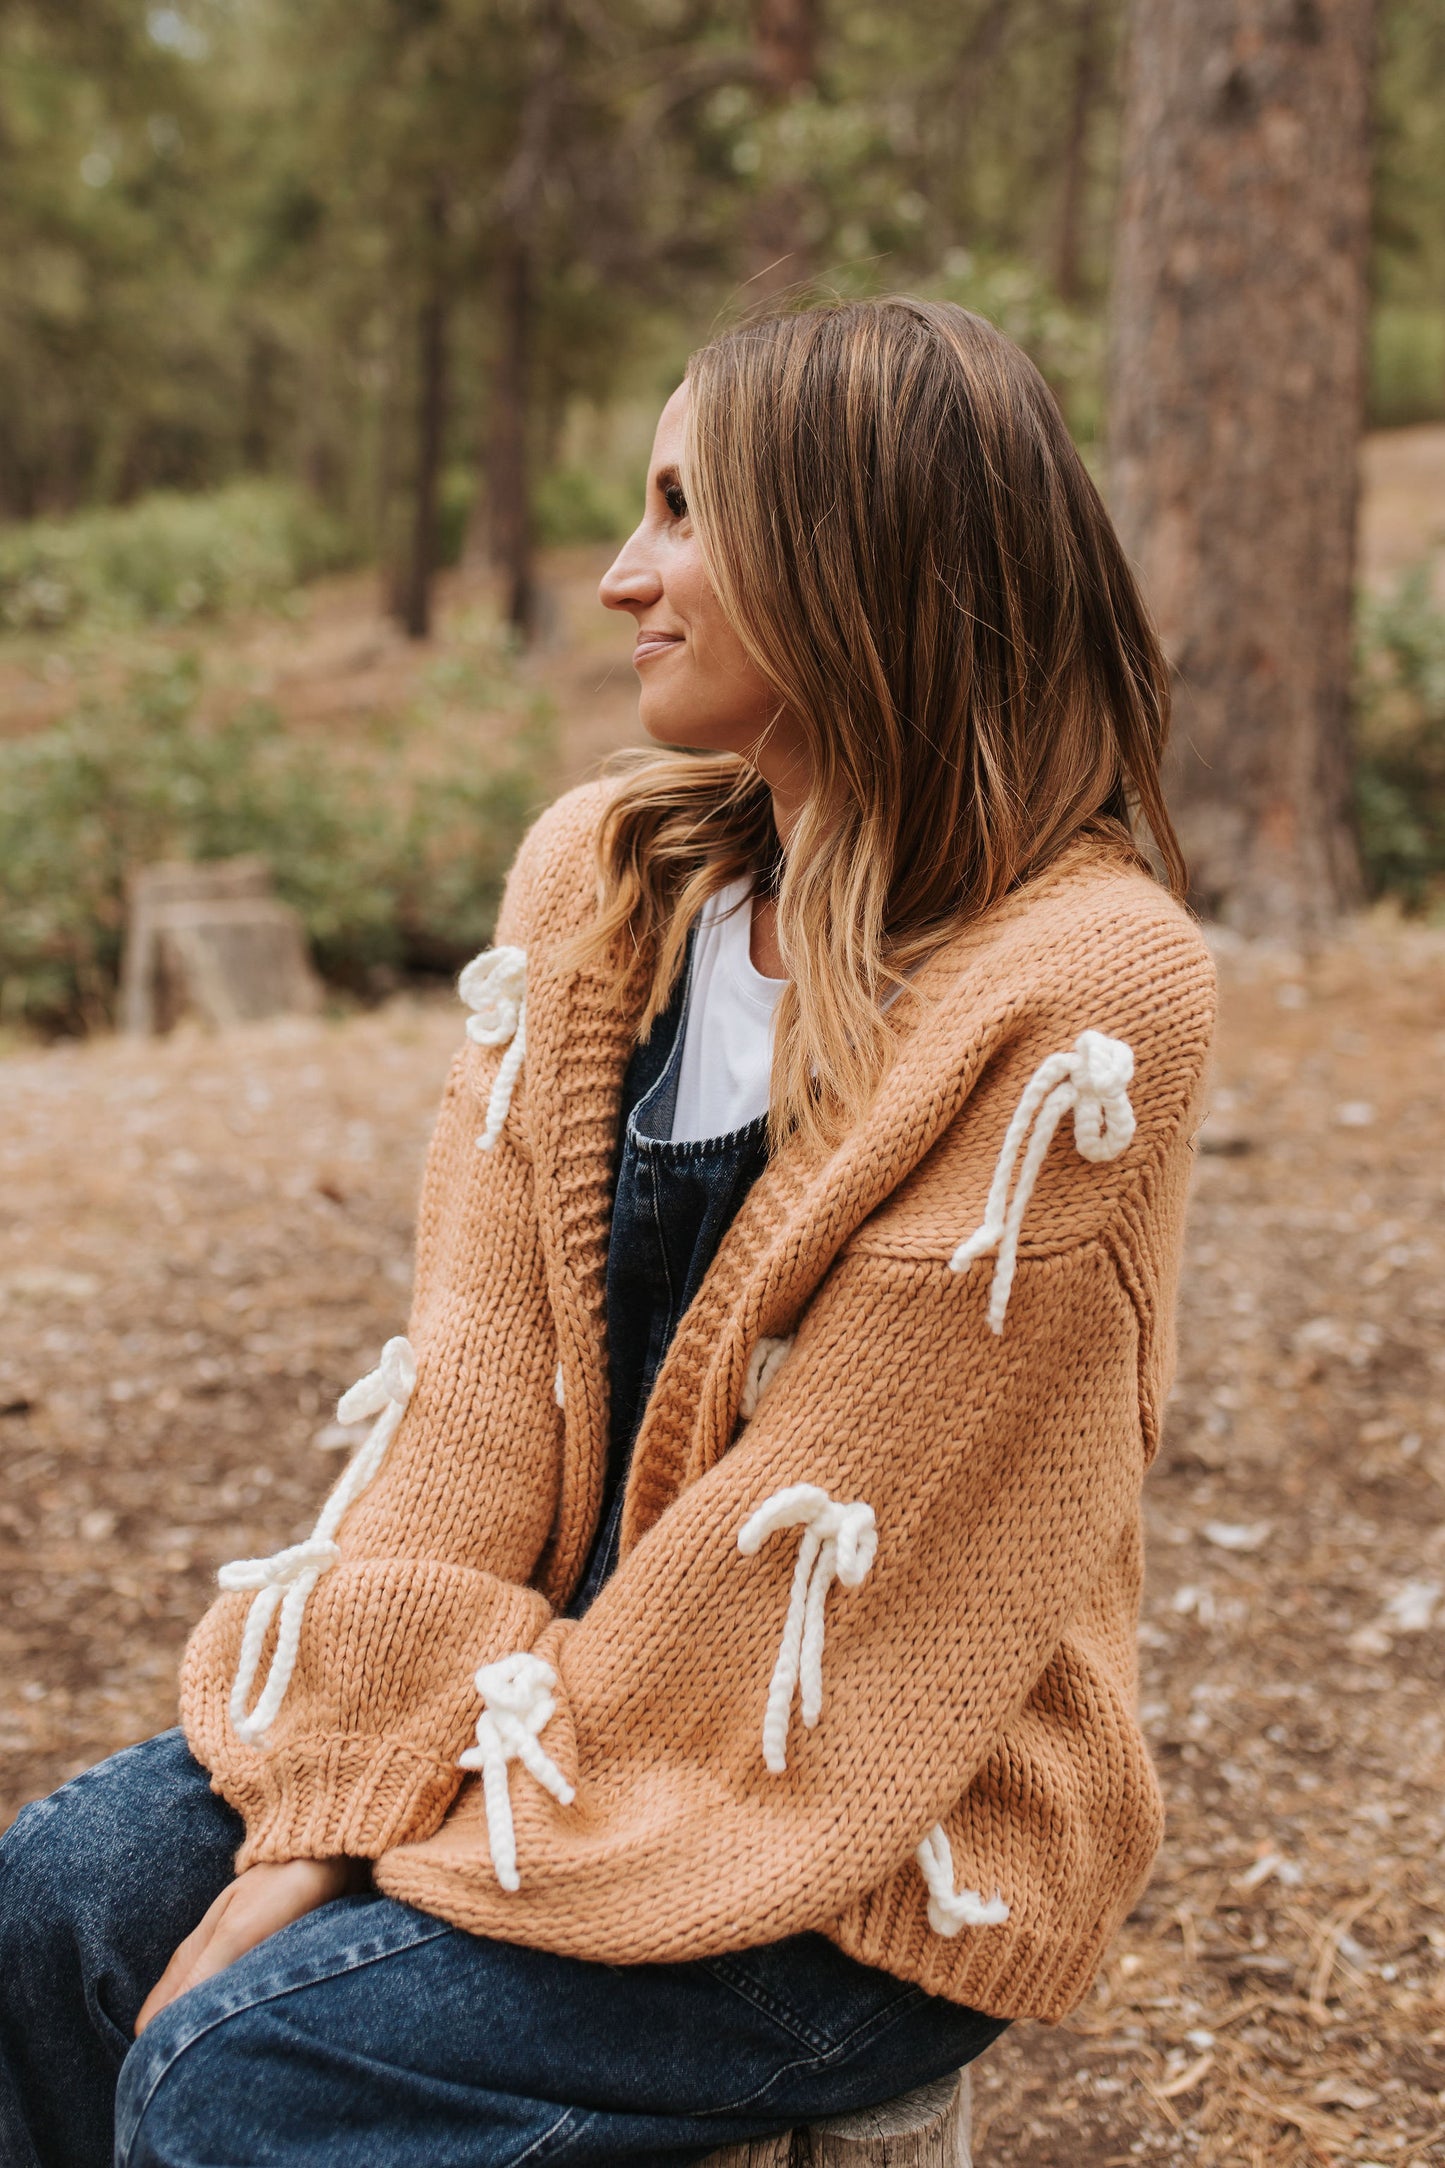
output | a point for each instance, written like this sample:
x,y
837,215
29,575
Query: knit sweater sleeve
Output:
x,y
713,1809
426,1573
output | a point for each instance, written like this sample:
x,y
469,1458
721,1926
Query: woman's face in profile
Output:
x,y
699,686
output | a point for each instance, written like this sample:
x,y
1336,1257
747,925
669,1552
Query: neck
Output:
x,y
787,809
781,759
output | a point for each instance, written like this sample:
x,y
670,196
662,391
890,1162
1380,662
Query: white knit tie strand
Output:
x,y
950,1909
1091,1079
494,988
838,1542
764,1363
517,1692
289,1577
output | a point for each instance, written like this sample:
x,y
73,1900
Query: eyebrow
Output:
x,y
665,476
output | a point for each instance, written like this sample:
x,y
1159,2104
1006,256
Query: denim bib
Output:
x,y
672,1206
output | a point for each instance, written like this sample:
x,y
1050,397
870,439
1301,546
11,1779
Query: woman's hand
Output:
x,y
255,1905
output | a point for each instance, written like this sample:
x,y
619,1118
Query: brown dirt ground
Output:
x,y
203,1241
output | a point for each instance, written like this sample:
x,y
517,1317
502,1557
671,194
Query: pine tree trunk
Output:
x,y
1083,97
785,38
1236,406
508,468
785,45
415,608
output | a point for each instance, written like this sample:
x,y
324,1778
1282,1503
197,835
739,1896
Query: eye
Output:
x,y
675,501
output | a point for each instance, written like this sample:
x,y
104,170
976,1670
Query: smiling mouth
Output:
x,y
654,643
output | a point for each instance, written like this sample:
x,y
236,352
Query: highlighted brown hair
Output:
x,y
907,542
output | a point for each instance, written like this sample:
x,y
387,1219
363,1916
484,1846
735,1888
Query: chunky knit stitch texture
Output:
x,y
979,1675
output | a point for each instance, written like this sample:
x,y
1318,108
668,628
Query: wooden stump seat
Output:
x,y
212,941
928,2128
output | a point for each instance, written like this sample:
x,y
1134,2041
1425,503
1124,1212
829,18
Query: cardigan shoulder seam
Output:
x,y
1131,1181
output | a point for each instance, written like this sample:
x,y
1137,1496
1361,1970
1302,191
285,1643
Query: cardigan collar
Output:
x,y
578,1042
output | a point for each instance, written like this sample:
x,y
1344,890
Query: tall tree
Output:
x,y
414,599
785,54
105,207
1084,97
520,211
1236,405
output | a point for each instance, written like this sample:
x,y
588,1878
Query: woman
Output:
x,y
706,1701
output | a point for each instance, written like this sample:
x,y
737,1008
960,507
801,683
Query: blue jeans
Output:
x,y
369,2035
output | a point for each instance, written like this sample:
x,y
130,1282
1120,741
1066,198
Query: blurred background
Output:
x,y
331,344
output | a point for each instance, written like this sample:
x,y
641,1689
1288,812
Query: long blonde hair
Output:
x,y
902,533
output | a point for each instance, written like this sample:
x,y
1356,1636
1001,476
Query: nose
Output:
x,y
631,581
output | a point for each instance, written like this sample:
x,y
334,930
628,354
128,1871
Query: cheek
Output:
x,y
721,655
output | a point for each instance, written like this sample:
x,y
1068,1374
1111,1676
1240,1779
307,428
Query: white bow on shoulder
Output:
x,y
1092,1080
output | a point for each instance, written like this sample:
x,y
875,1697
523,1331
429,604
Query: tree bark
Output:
x,y
785,39
1084,88
519,250
415,600
928,2128
1236,406
509,492
785,48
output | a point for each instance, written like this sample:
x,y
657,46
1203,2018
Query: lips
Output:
x,y
654,643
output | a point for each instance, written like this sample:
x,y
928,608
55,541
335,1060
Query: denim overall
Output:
x,y
368,2031
672,1206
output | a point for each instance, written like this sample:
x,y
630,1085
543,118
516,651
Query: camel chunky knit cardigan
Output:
x,y
867,1664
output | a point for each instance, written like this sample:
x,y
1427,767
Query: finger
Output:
x,y
180,1971
172,1982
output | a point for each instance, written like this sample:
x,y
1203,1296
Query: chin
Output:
x,y
665,726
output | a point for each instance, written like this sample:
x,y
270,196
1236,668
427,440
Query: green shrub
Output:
x,y
168,560
1400,768
393,855
1407,365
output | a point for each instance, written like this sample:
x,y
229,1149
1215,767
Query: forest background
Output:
x,y
331,341
288,289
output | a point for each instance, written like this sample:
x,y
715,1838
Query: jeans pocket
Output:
x,y
813,1991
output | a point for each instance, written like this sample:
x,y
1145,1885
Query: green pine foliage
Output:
x,y
1400,774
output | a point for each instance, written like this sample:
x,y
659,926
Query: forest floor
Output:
x,y
203,1241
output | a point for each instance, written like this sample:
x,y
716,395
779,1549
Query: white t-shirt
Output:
x,y
727,1048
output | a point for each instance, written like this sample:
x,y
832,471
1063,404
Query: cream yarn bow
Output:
x,y
1092,1080
494,988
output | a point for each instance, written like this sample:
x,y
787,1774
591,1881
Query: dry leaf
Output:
x,y
1187,2079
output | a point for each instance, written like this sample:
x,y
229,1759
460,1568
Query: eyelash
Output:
x,y
675,501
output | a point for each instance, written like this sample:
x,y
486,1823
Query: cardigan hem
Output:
x,y
1004,1972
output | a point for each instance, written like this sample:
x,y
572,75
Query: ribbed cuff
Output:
x,y
343,1795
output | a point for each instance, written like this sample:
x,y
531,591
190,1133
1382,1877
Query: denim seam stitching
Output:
x,y
880,2018
674,1056
550,2132
654,1206
783,2013
222,2017
771,2006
